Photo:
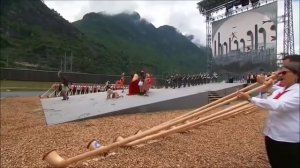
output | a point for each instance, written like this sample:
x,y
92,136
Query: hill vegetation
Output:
x,y
36,37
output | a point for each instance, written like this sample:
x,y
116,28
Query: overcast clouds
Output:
x,y
183,15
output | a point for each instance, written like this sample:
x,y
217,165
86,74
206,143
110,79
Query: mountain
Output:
x,y
34,36
143,45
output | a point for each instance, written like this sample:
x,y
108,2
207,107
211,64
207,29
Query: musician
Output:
x,y
285,60
282,130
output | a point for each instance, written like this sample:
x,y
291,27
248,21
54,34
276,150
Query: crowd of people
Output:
x,y
183,80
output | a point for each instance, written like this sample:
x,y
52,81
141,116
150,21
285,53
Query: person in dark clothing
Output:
x,y
65,86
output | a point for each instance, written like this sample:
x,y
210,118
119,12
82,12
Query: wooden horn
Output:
x,y
45,92
191,115
226,114
229,113
201,121
216,104
218,101
192,123
55,160
251,110
93,144
51,94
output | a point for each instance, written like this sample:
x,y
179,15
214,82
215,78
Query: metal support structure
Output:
x,y
209,41
214,12
288,38
208,30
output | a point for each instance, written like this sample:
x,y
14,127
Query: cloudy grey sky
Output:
x,y
183,15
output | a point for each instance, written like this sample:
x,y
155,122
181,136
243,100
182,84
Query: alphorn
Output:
x,y
238,108
41,96
226,113
55,160
50,95
256,84
215,104
198,110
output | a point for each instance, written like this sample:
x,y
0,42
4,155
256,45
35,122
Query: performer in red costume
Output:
x,y
133,85
120,83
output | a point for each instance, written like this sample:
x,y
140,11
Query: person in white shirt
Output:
x,y
282,128
285,60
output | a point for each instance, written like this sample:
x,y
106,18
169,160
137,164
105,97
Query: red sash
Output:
x,y
279,94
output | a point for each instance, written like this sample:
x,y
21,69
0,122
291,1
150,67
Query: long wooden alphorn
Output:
x,y
213,103
212,117
226,113
55,160
256,84
246,109
41,96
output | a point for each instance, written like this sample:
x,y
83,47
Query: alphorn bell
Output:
x,y
93,144
55,160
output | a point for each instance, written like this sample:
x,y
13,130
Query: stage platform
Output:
x,y
92,105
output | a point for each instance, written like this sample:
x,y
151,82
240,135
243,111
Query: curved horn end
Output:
x,y
54,159
93,144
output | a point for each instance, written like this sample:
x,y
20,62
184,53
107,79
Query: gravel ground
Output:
x,y
235,142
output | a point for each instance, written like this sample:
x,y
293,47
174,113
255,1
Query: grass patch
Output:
x,y
9,85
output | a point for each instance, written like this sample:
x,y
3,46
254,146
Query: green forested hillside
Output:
x,y
33,36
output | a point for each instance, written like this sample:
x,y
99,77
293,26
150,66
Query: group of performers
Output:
x,y
140,83
77,88
178,80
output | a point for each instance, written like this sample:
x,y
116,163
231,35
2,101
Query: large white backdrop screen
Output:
x,y
248,34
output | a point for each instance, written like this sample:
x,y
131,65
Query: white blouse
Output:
x,y
283,122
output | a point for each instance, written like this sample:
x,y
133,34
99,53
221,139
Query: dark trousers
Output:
x,y
283,154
